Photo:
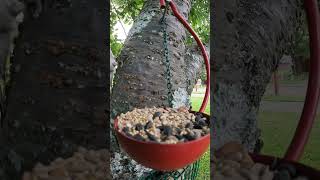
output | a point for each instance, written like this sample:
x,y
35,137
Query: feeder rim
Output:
x,y
149,143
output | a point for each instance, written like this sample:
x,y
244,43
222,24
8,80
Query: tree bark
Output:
x,y
59,83
249,39
140,79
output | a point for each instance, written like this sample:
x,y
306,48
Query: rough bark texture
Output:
x,y
249,39
140,77
58,91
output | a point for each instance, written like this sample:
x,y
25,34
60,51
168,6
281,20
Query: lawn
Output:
x,y
277,132
289,78
204,169
283,98
196,103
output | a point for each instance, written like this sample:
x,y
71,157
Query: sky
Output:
x,y
121,32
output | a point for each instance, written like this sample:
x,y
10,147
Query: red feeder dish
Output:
x,y
170,157
163,157
296,148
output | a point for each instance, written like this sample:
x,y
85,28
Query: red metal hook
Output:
x,y
296,148
203,51
162,4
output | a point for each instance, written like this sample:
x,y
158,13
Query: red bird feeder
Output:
x,y
163,157
296,148
170,157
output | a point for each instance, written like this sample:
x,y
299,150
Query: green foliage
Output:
x,y
200,20
301,44
203,74
115,44
128,10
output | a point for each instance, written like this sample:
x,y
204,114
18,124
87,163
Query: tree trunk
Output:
x,y
300,65
249,39
58,91
10,18
140,77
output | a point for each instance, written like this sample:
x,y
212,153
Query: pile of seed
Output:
x,y
233,162
83,165
163,125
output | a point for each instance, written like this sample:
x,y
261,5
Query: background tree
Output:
x,y
301,53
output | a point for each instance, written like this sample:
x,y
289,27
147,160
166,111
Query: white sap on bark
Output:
x,y
113,66
143,19
229,115
120,172
180,98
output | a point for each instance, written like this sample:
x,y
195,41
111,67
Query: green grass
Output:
x,y
277,132
204,169
289,78
283,98
196,103
292,81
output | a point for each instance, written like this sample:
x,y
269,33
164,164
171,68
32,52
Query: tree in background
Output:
x,y
301,53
